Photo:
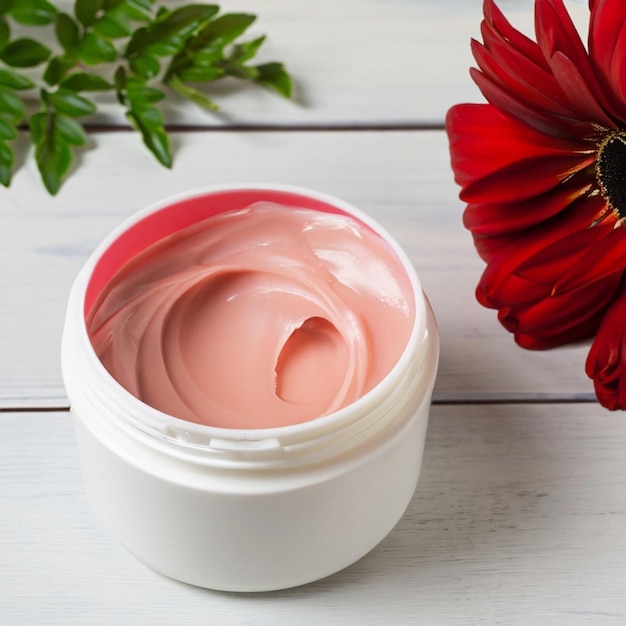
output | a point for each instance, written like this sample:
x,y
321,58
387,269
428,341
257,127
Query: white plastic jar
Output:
x,y
245,510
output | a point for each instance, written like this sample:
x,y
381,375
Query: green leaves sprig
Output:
x,y
133,47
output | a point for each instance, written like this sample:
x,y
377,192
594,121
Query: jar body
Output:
x,y
247,526
260,538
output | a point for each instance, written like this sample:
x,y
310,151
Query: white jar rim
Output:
x,y
86,377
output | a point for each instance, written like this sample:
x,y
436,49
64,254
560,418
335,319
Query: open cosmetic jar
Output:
x,y
224,487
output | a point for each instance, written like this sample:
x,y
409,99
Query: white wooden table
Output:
x,y
520,513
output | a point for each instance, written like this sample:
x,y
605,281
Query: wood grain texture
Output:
x,y
518,519
401,178
355,62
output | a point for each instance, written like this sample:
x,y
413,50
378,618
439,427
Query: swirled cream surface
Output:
x,y
264,317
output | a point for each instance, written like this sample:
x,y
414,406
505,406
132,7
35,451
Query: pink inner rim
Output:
x,y
181,214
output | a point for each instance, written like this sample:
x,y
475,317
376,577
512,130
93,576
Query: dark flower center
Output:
x,y
611,171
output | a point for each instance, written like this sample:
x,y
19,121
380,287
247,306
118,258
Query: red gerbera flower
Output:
x,y
542,168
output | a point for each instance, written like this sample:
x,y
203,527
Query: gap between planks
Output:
x,y
338,127
577,399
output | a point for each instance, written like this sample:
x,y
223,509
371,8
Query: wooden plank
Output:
x,y
401,178
355,62
518,519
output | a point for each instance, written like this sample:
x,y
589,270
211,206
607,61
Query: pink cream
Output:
x,y
260,317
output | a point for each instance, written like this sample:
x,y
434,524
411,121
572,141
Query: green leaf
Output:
x,y
11,105
275,76
87,10
12,79
193,95
132,91
67,32
57,68
135,10
8,131
83,81
119,80
33,12
111,28
225,29
5,33
38,124
201,74
70,130
168,35
109,5
95,50
24,52
70,103
203,57
245,51
237,70
144,5
140,96
149,122
6,6
206,50
117,21
146,65
52,152
6,164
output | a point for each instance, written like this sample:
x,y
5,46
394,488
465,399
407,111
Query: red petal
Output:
x,y
565,257
618,71
606,257
556,33
536,78
561,337
529,241
605,23
524,179
556,320
488,247
482,141
520,78
578,91
538,255
513,291
544,122
500,218
607,47
606,362
525,46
